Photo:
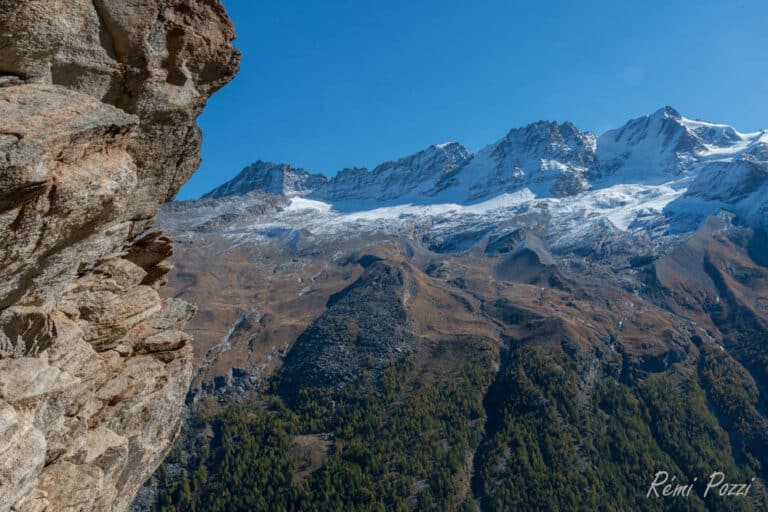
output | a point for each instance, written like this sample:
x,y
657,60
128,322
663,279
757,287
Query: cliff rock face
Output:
x,y
98,101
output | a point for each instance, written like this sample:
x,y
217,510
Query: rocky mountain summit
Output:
x,y
657,177
407,176
98,102
662,163
278,179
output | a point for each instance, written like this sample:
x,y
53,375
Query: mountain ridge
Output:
x,y
551,159
661,172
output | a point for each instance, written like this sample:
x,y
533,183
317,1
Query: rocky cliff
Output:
x,y
98,102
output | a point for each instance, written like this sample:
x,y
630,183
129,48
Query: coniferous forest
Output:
x,y
467,438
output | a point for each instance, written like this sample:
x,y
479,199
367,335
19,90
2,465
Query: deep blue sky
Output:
x,y
340,83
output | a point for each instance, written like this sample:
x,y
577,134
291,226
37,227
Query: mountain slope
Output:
x,y
408,177
279,179
609,363
549,157
533,328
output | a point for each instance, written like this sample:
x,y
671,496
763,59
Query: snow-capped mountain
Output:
x,y
658,174
655,147
408,177
666,146
279,179
549,157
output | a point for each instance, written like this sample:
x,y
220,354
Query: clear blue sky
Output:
x,y
340,83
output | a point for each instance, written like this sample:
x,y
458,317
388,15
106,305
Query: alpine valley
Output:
x,y
542,325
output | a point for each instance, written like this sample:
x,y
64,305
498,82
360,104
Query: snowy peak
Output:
x,y
651,141
279,179
437,160
545,155
654,148
667,145
645,166
659,175
667,112
407,176
703,133
548,141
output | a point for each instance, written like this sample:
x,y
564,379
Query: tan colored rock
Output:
x,y
22,454
164,341
107,316
98,102
35,501
121,272
81,177
160,60
151,253
78,492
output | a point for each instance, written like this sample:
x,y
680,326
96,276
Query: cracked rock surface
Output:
x,y
98,101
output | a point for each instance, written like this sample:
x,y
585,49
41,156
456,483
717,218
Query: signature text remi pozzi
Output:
x,y
664,486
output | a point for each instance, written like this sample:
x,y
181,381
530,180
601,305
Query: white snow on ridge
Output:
x,y
348,214
722,142
302,203
661,172
636,200
620,204
737,148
